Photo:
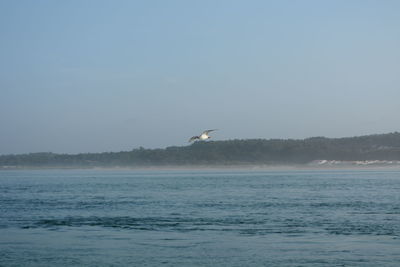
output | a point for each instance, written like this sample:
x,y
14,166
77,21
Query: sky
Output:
x,y
84,76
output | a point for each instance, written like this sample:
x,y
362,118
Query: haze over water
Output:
x,y
199,218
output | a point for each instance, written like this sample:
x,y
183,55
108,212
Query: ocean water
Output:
x,y
199,218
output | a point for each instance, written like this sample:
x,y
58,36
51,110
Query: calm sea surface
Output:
x,y
199,218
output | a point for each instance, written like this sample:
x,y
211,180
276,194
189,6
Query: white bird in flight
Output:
x,y
203,136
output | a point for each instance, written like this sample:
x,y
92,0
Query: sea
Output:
x,y
214,217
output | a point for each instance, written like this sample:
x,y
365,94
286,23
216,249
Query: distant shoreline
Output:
x,y
370,151
238,167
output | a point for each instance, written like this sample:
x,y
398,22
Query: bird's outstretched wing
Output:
x,y
193,138
207,131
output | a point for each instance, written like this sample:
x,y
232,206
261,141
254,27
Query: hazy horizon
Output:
x,y
97,76
187,144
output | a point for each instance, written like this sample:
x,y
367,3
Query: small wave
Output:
x,y
364,229
116,222
240,224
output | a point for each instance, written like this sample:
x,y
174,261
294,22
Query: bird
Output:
x,y
203,136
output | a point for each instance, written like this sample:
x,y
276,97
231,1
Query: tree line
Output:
x,y
230,152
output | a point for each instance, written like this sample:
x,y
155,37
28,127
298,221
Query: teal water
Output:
x,y
199,218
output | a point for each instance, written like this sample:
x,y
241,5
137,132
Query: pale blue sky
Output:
x,y
93,76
